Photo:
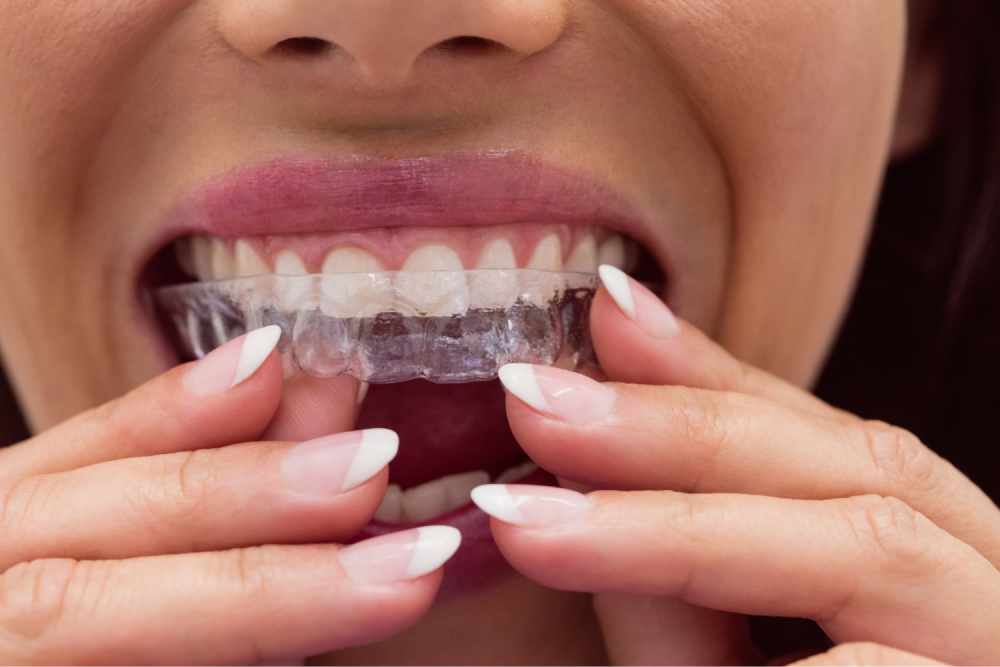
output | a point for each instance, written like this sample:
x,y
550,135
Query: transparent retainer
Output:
x,y
444,326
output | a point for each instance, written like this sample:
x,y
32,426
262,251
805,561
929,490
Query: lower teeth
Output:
x,y
428,501
379,328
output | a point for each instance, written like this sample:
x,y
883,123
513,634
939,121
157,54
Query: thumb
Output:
x,y
314,407
641,630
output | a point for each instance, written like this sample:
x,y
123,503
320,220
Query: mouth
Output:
x,y
417,217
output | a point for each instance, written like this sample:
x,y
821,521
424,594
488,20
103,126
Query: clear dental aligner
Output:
x,y
444,326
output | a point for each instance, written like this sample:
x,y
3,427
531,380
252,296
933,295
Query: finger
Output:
x,y
246,606
314,407
631,437
866,568
644,630
227,397
261,493
864,654
639,341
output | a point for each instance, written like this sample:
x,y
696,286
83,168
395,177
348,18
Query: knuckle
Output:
x,y
175,489
893,535
248,571
900,456
36,599
696,416
22,502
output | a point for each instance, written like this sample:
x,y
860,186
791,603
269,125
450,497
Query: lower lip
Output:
x,y
478,563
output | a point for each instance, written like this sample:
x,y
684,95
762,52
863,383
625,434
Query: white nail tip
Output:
x,y
519,379
495,500
616,281
378,447
435,545
257,346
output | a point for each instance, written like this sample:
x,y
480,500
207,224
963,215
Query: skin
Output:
x,y
750,135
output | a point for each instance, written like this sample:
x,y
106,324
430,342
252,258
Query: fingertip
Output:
x,y
639,305
231,364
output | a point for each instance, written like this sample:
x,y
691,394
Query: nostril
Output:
x,y
469,45
303,47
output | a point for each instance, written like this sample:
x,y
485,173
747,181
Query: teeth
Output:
x,y
201,255
427,289
222,261
292,294
427,283
391,509
348,295
493,290
425,501
497,255
613,252
287,263
517,473
459,487
584,257
547,255
247,261
351,260
430,500
185,256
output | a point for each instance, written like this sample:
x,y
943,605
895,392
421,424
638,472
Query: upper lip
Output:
x,y
296,196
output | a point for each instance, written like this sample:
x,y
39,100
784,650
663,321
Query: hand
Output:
x,y
133,533
732,492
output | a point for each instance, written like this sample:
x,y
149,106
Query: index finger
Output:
x,y
228,397
639,341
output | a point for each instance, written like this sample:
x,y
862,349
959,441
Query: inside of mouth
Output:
x,y
398,329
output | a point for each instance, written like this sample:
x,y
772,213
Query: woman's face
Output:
x,y
741,142
743,139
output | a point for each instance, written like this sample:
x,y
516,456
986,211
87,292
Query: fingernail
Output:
x,y
337,463
562,394
639,304
402,556
531,506
231,364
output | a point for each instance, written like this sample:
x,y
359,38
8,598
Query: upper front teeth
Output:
x,y
548,255
584,256
498,255
248,262
210,259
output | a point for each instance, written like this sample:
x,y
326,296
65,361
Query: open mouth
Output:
x,y
453,437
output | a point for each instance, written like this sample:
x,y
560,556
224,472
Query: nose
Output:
x,y
385,38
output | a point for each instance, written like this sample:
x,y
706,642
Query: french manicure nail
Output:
x,y
401,556
531,506
337,463
231,364
639,304
565,395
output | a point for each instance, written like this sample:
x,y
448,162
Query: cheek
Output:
x,y
67,62
799,97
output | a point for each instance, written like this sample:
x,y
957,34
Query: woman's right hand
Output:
x,y
159,528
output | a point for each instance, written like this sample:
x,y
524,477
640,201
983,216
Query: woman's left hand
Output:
x,y
732,492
